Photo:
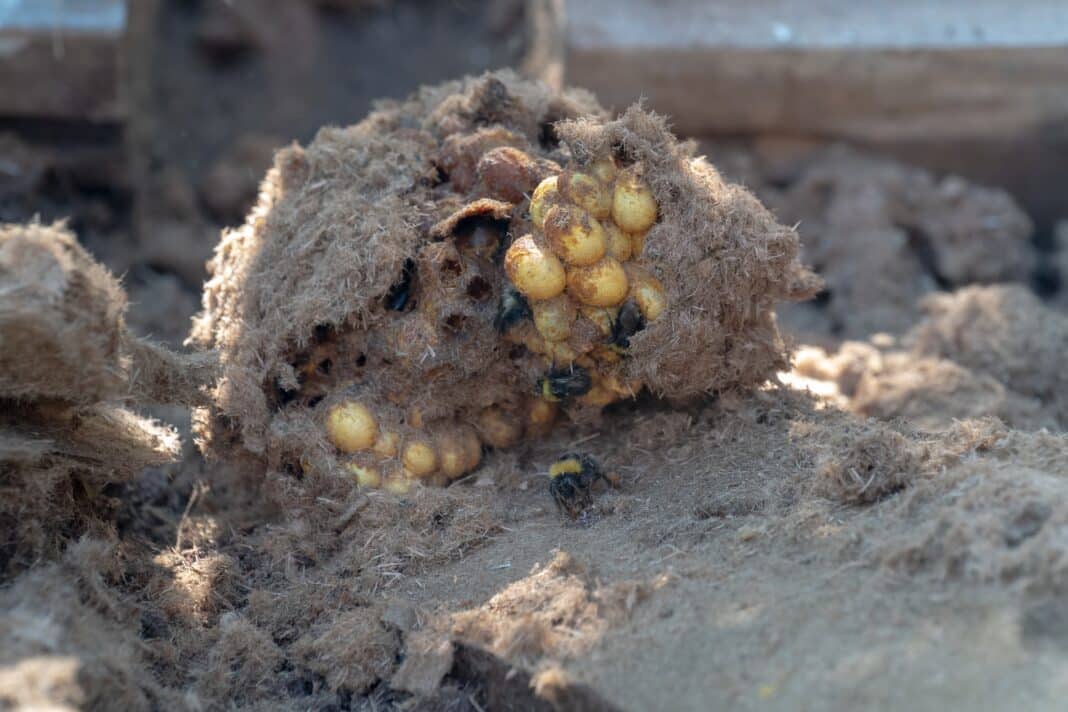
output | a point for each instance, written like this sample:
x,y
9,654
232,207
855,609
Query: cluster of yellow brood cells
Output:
x,y
578,272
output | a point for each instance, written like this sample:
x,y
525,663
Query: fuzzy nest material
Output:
x,y
980,351
61,318
1004,332
905,231
68,368
367,291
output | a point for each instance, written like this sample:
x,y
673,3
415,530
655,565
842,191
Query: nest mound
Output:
x,y
374,293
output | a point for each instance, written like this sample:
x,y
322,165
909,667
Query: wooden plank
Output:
x,y
978,87
870,71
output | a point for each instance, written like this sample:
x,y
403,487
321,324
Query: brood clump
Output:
x,y
462,270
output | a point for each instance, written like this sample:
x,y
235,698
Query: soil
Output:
x,y
882,528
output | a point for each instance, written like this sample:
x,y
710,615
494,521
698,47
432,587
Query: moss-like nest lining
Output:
x,y
395,304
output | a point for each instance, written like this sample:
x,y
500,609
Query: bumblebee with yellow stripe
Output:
x,y
560,383
571,480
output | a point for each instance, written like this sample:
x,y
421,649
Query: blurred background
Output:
x,y
919,146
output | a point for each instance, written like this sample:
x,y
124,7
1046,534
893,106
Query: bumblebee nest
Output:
x,y
467,268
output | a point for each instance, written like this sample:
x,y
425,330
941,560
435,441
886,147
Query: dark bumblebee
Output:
x,y
511,310
571,480
560,383
629,322
399,296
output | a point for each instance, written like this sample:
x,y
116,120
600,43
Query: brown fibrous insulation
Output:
x,y
297,304
1002,332
979,351
536,616
68,371
65,644
60,318
883,235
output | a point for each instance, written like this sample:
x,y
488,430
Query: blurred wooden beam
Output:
x,y
837,67
978,87
62,60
